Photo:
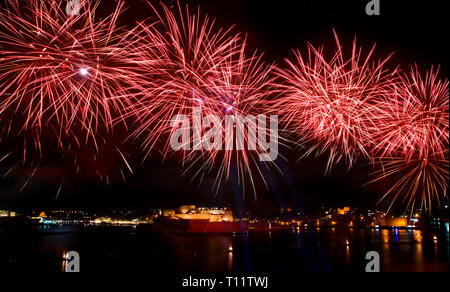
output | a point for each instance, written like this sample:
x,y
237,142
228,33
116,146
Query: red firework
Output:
x,y
412,121
63,76
239,90
69,71
188,64
328,104
177,55
412,139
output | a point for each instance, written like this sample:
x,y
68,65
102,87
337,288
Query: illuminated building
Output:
x,y
5,213
343,211
393,222
193,213
191,219
103,220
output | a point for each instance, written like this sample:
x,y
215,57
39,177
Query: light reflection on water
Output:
x,y
302,250
230,259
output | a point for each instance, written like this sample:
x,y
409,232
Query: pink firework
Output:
x,y
177,55
187,64
64,81
412,121
328,104
69,71
239,90
412,139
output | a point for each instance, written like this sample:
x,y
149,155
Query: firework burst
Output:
x,y
65,70
328,104
412,120
177,55
63,77
239,90
412,138
188,64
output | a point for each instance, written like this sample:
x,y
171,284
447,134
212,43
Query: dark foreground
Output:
x,y
127,249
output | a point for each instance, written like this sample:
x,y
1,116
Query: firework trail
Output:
x,y
328,104
64,76
188,64
412,139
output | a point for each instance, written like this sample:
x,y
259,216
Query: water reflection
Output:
x,y
300,250
230,258
347,253
64,262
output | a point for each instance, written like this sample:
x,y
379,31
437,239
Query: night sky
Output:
x,y
416,31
